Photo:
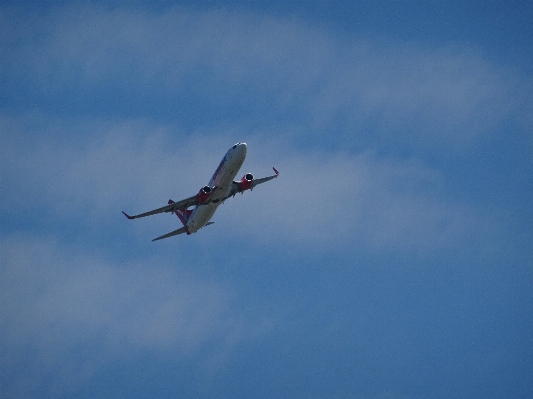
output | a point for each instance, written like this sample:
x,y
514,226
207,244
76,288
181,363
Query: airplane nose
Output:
x,y
240,148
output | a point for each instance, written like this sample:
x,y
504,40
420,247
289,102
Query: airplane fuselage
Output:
x,y
221,184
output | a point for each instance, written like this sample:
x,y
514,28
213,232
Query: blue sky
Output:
x,y
392,258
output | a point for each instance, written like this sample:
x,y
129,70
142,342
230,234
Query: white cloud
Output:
x,y
48,293
320,198
423,97
362,202
128,163
56,300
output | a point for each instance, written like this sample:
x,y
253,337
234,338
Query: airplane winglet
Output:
x,y
275,171
128,216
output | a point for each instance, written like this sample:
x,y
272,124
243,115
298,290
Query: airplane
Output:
x,y
205,203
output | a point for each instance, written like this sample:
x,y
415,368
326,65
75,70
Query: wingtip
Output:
x,y
275,171
128,216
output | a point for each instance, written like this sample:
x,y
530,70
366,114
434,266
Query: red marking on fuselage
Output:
x,y
217,171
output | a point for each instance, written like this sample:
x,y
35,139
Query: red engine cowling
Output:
x,y
204,194
247,181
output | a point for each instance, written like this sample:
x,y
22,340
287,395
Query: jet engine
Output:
x,y
204,194
247,181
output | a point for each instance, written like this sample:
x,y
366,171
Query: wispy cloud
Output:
x,y
57,300
278,68
362,201
379,203
101,164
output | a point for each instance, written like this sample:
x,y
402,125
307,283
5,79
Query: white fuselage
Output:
x,y
220,183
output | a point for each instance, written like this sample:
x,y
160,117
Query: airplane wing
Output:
x,y
237,186
262,180
167,208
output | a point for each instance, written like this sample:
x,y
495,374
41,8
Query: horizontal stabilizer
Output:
x,y
177,232
172,233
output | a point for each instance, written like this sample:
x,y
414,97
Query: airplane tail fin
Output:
x,y
183,214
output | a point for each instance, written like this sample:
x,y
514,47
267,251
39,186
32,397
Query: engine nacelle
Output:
x,y
247,181
204,194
